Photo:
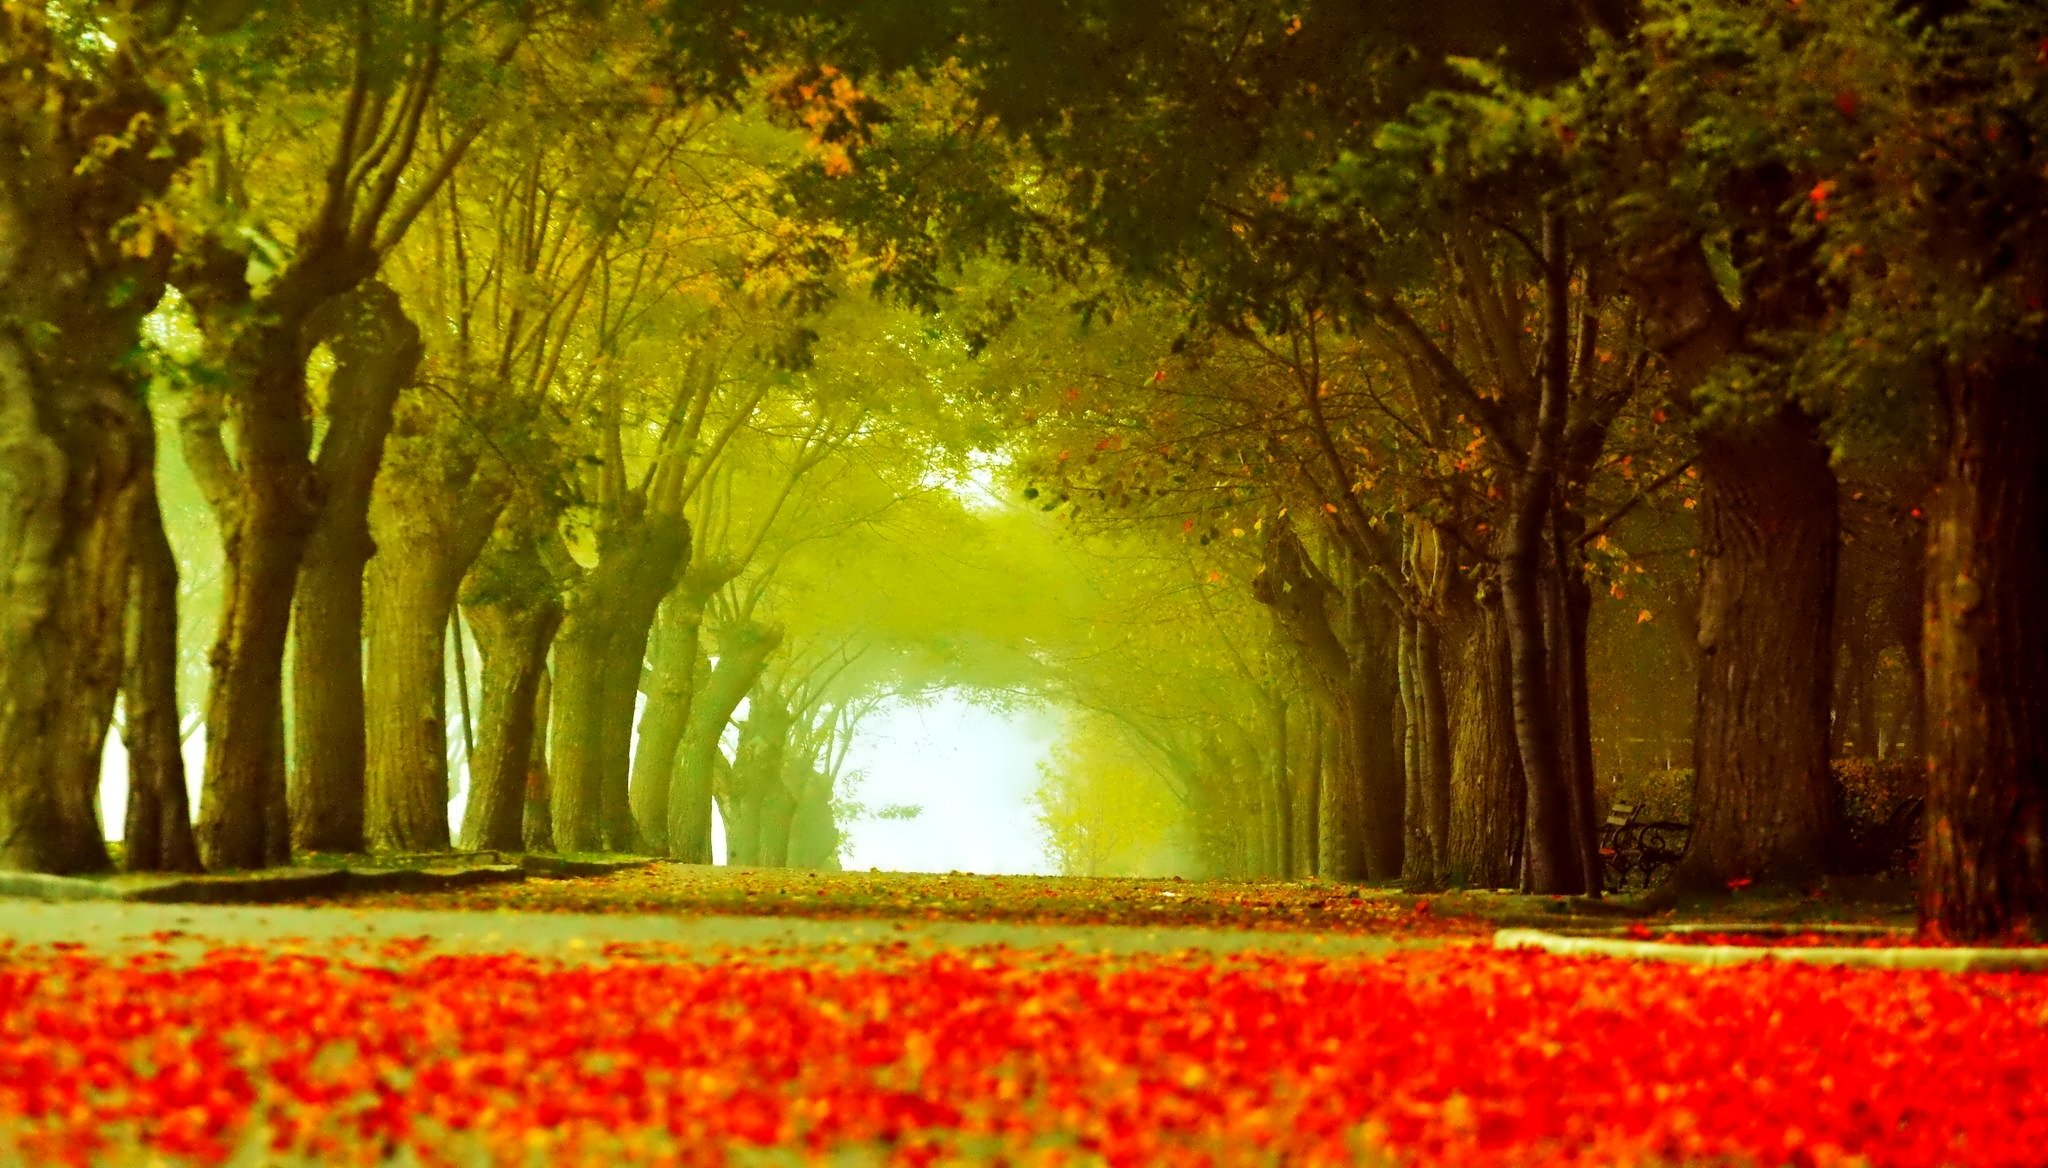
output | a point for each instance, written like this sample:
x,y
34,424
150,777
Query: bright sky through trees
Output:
x,y
970,769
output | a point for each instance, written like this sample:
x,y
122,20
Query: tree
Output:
x,y
1103,812
267,490
94,143
1901,174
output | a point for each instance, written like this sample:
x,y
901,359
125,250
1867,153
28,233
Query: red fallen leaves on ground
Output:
x,y
1454,1056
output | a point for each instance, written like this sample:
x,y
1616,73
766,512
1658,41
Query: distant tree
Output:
x,y
1102,811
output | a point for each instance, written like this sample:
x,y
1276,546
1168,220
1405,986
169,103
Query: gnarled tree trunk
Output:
x,y
70,426
376,351
268,501
431,521
1567,624
743,651
1770,531
598,658
1553,863
512,636
678,667
1436,749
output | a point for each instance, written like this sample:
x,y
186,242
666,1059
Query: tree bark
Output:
x,y
1487,816
599,655
158,832
243,821
1311,794
537,829
1567,627
1359,804
679,667
268,502
73,299
512,637
1770,532
756,776
743,651
1984,867
430,520
1434,706
777,823
1281,765
376,350
1552,865
1415,853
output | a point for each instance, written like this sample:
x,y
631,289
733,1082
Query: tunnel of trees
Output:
x,y
1392,433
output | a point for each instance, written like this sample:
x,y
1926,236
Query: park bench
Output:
x,y
1632,847
1890,845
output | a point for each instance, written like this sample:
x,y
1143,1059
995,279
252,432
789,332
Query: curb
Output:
x,y
428,879
267,887
36,886
286,885
546,867
1939,960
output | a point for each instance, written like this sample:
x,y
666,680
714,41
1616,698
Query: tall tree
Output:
x,y
381,170
93,146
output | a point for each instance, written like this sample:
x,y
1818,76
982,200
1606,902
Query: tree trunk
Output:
x,y
814,836
621,706
777,820
1311,793
755,777
70,425
1369,775
1487,812
1340,812
537,829
268,504
1370,759
1415,853
1280,785
376,350
1770,531
512,638
158,833
243,820
602,647
1553,867
406,783
1984,868
1360,802
1570,608
679,666
1436,750
574,743
431,522
67,462
743,652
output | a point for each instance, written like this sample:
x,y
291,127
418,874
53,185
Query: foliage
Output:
x,y
1103,810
